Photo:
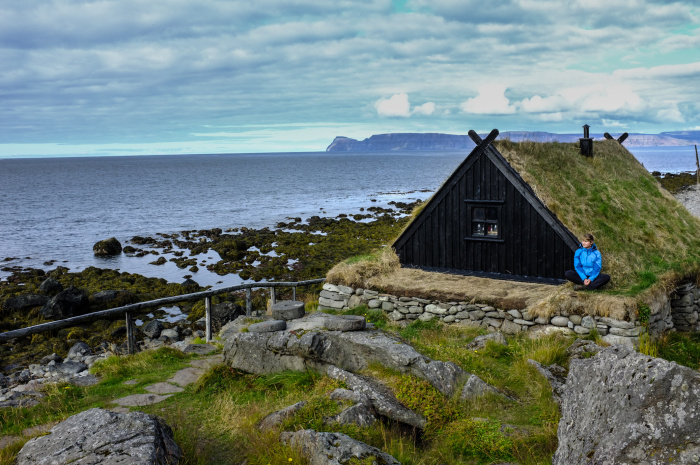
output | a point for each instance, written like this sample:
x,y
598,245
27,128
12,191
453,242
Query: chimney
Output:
x,y
586,143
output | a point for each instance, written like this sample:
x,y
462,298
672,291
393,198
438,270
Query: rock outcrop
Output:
x,y
107,247
622,407
335,448
101,437
305,344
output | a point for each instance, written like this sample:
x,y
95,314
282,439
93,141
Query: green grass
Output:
x,y
682,348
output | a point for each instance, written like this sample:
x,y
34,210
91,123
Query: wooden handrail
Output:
x,y
127,309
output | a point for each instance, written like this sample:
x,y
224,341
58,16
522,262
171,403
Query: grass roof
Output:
x,y
648,240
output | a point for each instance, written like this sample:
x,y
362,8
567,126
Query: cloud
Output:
x,y
398,106
490,101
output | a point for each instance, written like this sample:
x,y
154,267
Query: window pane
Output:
x,y
492,230
478,213
478,229
492,213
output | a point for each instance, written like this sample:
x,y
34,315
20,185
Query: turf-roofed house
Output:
x,y
516,210
487,221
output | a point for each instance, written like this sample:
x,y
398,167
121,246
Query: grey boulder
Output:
x,y
153,329
79,349
479,342
627,408
98,436
335,449
381,398
275,419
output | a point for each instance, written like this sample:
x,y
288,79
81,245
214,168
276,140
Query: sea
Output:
x,y
53,210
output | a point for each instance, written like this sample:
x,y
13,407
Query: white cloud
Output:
x,y
670,114
398,106
490,101
425,109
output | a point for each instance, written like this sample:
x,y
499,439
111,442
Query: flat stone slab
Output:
x,y
199,349
345,323
186,376
268,326
163,388
89,380
140,400
288,310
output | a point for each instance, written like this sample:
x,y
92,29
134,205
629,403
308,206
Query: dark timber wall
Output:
x,y
525,240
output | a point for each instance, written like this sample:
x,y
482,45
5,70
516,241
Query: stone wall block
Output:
x,y
374,303
515,314
436,309
427,316
476,314
509,327
387,306
561,321
354,301
415,310
542,320
617,323
330,287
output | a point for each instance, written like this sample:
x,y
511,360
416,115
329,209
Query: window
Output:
x,y
484,220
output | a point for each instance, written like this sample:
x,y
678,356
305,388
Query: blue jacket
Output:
x,y
588,262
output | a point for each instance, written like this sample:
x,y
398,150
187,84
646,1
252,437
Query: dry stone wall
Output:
x,y
680,312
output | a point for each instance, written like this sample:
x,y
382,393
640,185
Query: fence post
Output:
x,y
130,337
294,293
207,305
273,296
248,302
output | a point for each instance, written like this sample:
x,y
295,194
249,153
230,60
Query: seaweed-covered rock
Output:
x,y
107,247
620,406
24,302
50,286
224,312
98,436
67,303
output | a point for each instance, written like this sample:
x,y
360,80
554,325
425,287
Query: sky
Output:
x,y
132,77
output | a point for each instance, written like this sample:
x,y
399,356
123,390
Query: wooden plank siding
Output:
x,y
532,244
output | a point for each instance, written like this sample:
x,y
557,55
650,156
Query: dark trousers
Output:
x,y
600,280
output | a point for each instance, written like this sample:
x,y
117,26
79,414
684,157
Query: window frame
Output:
x,y
474,203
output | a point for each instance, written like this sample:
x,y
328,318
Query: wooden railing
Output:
x,y
128,310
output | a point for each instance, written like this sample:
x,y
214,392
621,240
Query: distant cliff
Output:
x,y
436,141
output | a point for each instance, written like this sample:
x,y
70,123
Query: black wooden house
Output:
x,y
486,220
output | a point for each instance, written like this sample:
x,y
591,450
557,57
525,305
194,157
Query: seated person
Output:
x,y
588,263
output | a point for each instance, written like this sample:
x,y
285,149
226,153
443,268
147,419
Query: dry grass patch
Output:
x,y
541,299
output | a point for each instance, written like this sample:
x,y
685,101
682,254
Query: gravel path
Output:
x,y
690,198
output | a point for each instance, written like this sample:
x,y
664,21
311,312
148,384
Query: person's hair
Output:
x,y
588,237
